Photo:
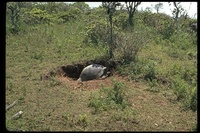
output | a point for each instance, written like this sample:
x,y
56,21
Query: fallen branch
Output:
x,y
11,105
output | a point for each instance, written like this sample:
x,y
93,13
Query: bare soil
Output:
x,y
156,112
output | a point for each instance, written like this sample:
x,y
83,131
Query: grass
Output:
x,y
56,106
109,98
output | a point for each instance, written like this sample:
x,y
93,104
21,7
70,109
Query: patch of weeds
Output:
x,y
135,69
194,128
192,54
184,82
26,48
150,71
39,89
9,76
126,115
109,98
61,47
175,70
53,82
50,37
78,122
9,86
153,86
139,69
83,120
69,119
47,128
24,90
37,55
191,100
187,74
175,53
27,70
180,88
70,97
21,99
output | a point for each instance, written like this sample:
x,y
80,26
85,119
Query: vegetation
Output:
x,y
111,8
131,8
153,89
109,98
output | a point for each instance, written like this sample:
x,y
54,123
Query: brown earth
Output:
x,y
156,112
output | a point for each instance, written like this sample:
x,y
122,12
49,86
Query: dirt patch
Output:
x,y
73,71
91,84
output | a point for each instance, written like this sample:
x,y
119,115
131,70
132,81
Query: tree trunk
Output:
x,y
131,15
177,19
111,39
131,19
176,24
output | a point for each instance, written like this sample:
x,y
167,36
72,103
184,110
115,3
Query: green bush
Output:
x,y
162,23
167,29
150,71
121,21
109,98
139,69
185,93
36,16
133,69
180,88
189,74
96,32
129,44
71,14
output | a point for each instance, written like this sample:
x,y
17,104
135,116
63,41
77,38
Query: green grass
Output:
x,y
109,98
55,106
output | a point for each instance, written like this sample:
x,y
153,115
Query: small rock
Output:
x,y
17,115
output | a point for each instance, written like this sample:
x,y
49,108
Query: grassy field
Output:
x,y
121,102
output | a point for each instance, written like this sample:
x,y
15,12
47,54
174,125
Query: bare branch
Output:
x,y
11,105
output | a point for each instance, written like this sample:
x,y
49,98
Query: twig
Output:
x,y
11,105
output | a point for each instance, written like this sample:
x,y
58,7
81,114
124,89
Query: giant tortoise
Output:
x,y
93,71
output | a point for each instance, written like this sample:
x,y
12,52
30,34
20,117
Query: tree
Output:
x,y
82,5
131,8
111,8
14,8
158,7
177,12
148,9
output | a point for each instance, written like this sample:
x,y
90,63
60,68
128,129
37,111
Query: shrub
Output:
x,y
36,16
150,73
139,69
96,32
185,93
71,14
187,74
129,44
162,23
109,98
180,88
121,21
167,30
